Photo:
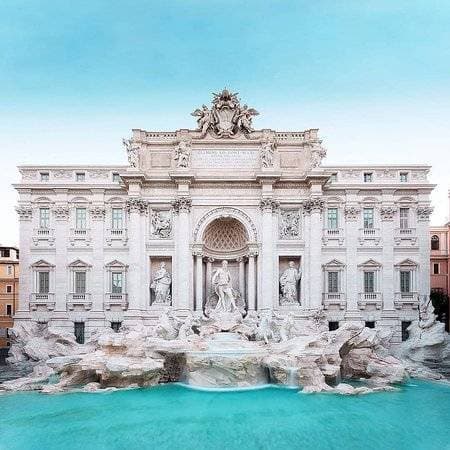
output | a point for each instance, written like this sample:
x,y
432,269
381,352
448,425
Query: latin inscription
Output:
x,y
239,159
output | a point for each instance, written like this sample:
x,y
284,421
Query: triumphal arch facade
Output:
x,y
223,217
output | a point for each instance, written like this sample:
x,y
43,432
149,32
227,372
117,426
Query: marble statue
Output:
x,y
168,326
289,224
161,285
317,154
267,150
244,118
223,287
264,331
186,330
182,154
288,282
132,152
426,312
204,119
161,224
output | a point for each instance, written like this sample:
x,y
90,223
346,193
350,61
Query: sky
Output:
x,y
76,77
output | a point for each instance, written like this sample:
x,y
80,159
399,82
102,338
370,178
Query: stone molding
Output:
x,y
24,212
137,205
424,212
352,213
182,204
313,205
388,213
269,204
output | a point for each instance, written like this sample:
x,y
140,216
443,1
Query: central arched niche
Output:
x,y
225,237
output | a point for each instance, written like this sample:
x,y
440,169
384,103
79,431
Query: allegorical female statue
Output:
x,y
288,282
223,288
161,284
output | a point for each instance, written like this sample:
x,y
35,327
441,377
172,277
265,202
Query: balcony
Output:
x,y
374,299
406,300
119,300
334,299
405,235
40,301
369,235
44,235
79,301
333,234
80,236
116,235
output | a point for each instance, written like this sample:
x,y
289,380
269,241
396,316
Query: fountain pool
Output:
x,y
174,417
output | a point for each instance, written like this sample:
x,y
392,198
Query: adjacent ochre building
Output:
x,y
9,290
104,245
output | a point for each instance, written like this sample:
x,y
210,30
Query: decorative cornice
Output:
x,y
97,213
313,204
388,213
269,204
424,212
61,212
24,212
182,204
352,213
137,205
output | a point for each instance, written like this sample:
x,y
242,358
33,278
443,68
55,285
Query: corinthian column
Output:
x,y
352,283
182,207
387,214
423,239
268,207
198,281
251,282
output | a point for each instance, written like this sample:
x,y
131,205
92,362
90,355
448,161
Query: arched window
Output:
x,y
434,242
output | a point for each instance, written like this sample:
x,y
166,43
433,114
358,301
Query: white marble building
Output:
x,y
93,238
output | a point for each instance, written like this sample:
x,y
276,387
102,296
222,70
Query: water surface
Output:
x,y
174,417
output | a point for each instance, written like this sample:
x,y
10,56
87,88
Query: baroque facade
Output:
x,y
106,245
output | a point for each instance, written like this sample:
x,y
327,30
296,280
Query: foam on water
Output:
x,y
173,417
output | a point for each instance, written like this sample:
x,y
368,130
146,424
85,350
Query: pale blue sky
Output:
x,y
77,76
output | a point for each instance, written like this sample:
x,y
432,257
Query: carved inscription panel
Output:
x,y
222,158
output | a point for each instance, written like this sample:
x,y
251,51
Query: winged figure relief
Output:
x,y
204,118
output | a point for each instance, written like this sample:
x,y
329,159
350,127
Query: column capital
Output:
x,y
182,204
137,205
313,204
352,213
24,212
97,212
61,212
269,205
388,213
424,213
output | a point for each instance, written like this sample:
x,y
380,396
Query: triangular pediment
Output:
x,y
115,263
334,263
42,263
79,263
406,263
370,263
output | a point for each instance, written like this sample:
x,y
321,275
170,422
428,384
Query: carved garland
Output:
x,y
388,213
352,213
182,204
97,212
424,212
61,212
24,212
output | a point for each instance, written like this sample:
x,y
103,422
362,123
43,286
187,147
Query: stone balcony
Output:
x,y
371,299
334,299
333,234
116,235
79,301
116,301
44,235
369,235
80,236
406,300
405,235
40,301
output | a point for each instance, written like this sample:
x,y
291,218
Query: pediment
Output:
x,y
79,263
334,263
115,263
370,263
42,263
406,263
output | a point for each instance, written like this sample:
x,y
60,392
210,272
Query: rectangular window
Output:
x,y
80,218
370,324
44,217
80,176
332,218
116,282
9,310
405,332
436,268
333,326
405,281
80,282
116,326
368,217
6,253
369,282
9,270
117,218
45,176
403,177
368,177
79,332
404,218
116,178
43,282
8,289
333,286
333,177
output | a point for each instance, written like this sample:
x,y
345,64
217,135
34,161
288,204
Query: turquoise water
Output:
x,y
174,417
